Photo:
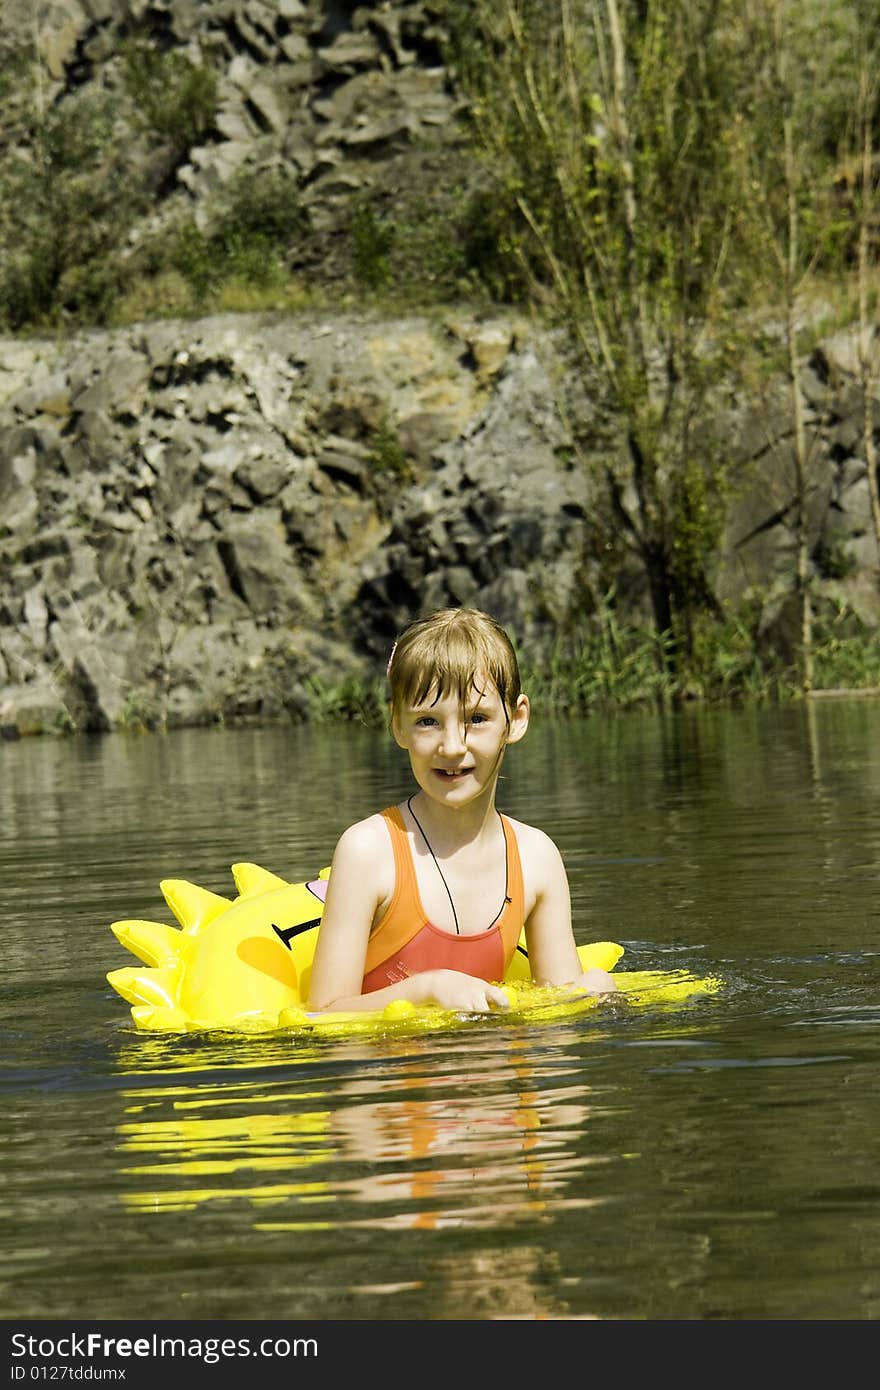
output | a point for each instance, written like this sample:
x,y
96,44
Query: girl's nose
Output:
x,y
453,740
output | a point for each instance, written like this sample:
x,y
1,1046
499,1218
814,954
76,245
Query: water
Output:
x,y
718,1161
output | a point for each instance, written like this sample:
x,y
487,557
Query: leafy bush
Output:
x,y
846,653
435,246
605,664
255,224
68,201
386,451
373,239
174,99
832,555
353,699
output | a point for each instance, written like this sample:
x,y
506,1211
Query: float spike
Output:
x,y
160,1020
193,907
154,943
251,879
145,986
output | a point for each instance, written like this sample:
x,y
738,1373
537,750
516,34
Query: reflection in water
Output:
x,y
480,1145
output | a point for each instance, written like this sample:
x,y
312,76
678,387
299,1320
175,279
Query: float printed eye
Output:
x,y
290,932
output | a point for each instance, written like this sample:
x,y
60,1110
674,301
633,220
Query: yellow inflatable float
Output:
x,y
243,964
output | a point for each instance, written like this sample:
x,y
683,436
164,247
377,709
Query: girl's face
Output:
x,y
456,752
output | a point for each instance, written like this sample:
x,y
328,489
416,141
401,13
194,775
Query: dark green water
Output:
x,y
715,1162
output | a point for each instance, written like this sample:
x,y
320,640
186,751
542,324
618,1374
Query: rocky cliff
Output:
x,y
221,519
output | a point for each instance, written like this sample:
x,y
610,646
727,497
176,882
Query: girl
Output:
x,y
426,899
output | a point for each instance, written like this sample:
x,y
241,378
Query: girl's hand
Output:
x,y
454,990
595,981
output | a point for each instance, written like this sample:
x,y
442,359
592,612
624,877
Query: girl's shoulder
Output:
x,y
365,837
533,843
363,861
366,844
543,870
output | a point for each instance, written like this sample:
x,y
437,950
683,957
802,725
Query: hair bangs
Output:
x,y
453,652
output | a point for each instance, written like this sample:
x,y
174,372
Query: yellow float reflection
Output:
x,y
467,1136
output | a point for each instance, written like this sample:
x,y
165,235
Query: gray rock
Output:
x,y
202,519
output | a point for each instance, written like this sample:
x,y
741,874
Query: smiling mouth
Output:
x,y
453,772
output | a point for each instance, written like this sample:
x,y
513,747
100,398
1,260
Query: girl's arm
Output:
x,y
354,891
359,882
553,956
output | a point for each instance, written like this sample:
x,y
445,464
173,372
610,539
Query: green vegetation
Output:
x,y
372,239
141,713
605,665
353,699
72,189
255,221
434,247
172,98
387,454
610,666
613,132
671,173
66,202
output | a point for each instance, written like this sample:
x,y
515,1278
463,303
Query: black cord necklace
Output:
x,y
442,876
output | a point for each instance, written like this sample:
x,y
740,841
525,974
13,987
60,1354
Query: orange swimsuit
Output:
x,y
405,943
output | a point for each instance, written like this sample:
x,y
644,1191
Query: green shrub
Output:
x,y
846,653
191,253
353,699
436,246
68,201
832,557
173,98
387,454
261,205
255,223
728,661
603,664
372,241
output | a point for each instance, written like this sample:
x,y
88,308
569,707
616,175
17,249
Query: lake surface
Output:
x,y
715,1161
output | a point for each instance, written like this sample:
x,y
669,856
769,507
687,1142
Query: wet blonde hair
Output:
x,y
446,653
